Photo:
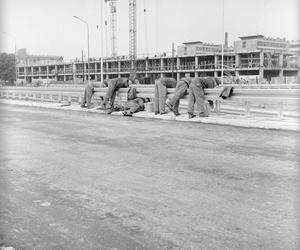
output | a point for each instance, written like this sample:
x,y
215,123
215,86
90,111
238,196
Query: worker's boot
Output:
x,y
176,113
109,111
202,114
191,115
102,106
89,106
169,105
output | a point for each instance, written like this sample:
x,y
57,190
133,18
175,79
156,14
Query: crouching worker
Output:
x,y
89,91
113,86
160,93
134,104
181,90
196,94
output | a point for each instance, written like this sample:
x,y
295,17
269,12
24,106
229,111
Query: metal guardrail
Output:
x,y
245,96
236,86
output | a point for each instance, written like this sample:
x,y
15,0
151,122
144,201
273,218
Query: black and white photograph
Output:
x,y
149,124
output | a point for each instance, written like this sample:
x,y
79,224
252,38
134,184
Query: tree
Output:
x,y
7,67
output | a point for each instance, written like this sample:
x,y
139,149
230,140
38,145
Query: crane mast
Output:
x,y
132,34
113,26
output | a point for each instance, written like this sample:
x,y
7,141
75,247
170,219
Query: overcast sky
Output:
x,y
47,27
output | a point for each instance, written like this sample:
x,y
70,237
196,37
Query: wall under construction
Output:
x,y
262,64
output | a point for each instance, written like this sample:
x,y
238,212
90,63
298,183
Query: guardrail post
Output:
x,y
119,99
218,106
280,110
80,99
247,109
206,108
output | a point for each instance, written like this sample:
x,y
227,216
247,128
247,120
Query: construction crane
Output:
x,y
113,26
132,35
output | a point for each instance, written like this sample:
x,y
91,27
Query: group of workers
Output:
x,y
194,86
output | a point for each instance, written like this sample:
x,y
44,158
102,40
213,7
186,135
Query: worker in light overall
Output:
x,y
160,93
89,91
134,104
113,86
181,90
196,94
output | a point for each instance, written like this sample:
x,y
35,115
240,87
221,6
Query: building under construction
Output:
x,y
256,56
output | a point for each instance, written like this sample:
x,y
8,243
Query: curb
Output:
x,y
220,119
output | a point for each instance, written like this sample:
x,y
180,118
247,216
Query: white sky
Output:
x,y
47,27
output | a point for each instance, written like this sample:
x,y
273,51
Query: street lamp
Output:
x,y
101,27
8,34
222,69
88,41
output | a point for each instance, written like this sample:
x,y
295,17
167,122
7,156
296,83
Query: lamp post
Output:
x,y
222,69
8,34
88,42
101,28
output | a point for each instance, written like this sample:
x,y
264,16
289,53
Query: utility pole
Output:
x,y
101,27
222,70
82,65
88,45
172,60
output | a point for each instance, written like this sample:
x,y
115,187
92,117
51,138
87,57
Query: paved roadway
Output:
x,y
75,180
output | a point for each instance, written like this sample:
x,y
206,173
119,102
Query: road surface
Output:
x,y
75,180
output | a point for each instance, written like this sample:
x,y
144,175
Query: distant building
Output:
x,y
294,46
198,47
26,59
260,42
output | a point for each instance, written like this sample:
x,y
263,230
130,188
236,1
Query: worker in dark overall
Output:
x,y
160,93
89,91
181,90
196,94
113,86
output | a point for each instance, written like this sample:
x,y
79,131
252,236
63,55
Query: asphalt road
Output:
x,y
73,180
